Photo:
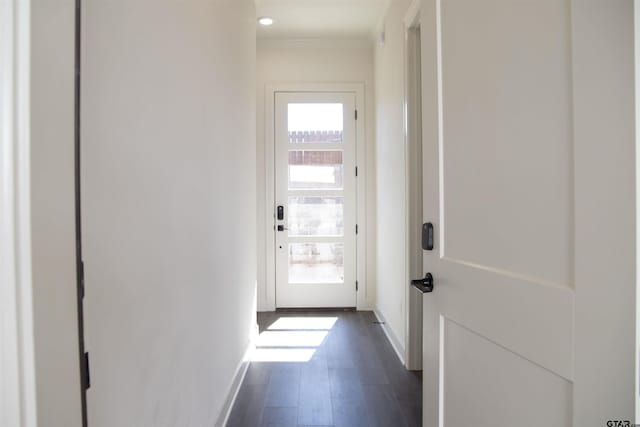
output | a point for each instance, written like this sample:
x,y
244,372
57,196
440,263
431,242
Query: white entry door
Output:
x,y
528,177
315,195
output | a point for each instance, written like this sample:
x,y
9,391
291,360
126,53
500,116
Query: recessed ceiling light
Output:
x,y
266,21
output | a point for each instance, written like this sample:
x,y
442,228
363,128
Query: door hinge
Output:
x,y
356,228
356,285
356,171
356,114
87,377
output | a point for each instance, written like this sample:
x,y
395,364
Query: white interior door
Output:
x,y
528,179
315,194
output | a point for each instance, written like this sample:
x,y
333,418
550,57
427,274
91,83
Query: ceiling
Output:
x,y
296,19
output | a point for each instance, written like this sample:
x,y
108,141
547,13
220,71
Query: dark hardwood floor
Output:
x,y
346,374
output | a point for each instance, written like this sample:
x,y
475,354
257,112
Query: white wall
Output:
x,y
52,213
168,151
390,179
312,61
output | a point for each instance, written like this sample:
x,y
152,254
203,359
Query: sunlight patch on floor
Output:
x,y
304,323
292,339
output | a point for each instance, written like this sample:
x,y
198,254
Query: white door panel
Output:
x,y
507,153
510,311
499,186
520,390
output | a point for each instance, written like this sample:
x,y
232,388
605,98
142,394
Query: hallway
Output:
x,y
345,373
171,168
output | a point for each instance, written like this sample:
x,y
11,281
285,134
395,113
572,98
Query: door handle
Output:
x,y
282,228
424,285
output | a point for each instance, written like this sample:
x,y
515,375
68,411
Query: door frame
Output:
x,y
269,184
17,352
413,185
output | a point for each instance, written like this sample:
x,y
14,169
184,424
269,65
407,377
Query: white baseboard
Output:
x,y
391,336
241,371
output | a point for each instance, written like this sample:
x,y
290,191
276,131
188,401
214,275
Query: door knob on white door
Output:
x,y
424,285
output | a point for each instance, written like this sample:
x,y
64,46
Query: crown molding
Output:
x,y
315,43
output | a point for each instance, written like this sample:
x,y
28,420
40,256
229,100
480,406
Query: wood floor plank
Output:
x,y
283,392
373,375
279,417
315,404
345,385
314,371
349,414
412,413
284,385
383,408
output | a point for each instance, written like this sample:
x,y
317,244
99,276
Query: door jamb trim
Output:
x,y
413,211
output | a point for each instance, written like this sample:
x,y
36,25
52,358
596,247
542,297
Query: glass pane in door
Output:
x,y
316,169
316,216
315,123
316,263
